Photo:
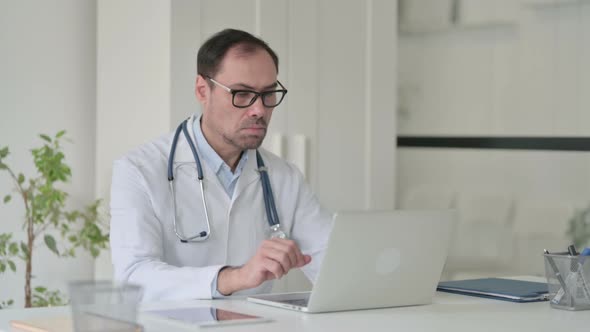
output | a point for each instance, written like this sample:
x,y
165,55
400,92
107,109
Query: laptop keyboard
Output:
x,y
297,302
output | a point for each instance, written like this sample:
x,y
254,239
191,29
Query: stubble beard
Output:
x,y
247,142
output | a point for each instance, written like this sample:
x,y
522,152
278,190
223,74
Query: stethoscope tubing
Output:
x,y
269,202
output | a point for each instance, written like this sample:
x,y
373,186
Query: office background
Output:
x,y
496,68
115,74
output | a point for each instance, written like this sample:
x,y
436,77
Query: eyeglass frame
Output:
x,y
257,94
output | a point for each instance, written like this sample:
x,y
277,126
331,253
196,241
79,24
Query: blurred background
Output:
x,y
504,68
361,74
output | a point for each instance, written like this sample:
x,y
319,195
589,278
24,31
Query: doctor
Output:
x,y
204,211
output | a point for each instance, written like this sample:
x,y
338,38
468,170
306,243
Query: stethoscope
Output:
x,y
269,202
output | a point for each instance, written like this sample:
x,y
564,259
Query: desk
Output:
x,y
449,312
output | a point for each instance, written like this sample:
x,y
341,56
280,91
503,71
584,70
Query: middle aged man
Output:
x,y
184,241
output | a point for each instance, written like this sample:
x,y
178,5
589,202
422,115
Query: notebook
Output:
x,y
64,324
49,324
375,260
498,288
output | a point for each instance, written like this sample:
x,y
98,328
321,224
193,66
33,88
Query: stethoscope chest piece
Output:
x,y
277,233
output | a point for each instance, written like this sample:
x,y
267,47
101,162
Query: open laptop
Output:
x,y
375,260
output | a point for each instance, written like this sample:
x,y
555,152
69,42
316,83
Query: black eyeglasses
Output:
x,y
245,98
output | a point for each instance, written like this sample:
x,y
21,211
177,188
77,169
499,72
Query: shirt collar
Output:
x,y
209,155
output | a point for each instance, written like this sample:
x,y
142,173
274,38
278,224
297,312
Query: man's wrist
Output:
x,y
226,280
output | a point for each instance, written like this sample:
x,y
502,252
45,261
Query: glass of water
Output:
x,y
104,306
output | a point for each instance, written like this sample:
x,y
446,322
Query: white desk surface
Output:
x,y
448,312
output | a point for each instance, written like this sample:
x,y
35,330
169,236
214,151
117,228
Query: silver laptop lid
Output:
x,y
382,259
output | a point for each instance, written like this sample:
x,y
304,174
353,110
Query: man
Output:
x,y
183,242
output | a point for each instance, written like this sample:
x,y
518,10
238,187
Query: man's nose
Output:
x,y
257,109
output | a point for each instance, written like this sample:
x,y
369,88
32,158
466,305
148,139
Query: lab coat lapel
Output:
x,y
249,175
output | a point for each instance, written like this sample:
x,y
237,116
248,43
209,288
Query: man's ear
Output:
x,y
202,89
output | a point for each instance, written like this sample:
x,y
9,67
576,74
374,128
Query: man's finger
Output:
x,y
292,248
273,267
307,259
285,246
281,257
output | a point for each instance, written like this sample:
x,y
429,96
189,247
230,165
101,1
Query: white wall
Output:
x,y
133,85
133,79
185,39
47,83
510,68
525,75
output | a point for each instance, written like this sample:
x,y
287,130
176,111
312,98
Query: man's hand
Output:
x,y
274,259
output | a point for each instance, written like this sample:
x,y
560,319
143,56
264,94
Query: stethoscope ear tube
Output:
x,y
203,235
172,151
193,150
269,202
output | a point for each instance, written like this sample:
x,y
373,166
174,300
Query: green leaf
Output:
x,y
40,289
2,267
10,302
7,198
50,242
45,137
94,252
60,134
12,266
24,249
21,178
13,248
3,152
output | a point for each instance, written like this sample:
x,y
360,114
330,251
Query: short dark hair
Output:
x,y
213,51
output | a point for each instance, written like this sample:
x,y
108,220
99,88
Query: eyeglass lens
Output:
x,y
247,98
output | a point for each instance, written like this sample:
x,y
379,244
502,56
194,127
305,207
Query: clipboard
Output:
x,y
497,288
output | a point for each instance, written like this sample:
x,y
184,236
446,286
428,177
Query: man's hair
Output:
x,y
213,51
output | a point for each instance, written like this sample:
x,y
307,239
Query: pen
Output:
x,y
571,249
563,289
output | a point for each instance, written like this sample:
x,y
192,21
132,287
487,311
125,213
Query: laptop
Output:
x,y
376,259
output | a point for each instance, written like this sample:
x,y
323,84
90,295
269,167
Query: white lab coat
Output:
x,y
145,249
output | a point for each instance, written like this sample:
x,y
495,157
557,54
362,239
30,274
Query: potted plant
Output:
x,y
45,215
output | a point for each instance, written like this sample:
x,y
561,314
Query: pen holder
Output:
x,y
568,280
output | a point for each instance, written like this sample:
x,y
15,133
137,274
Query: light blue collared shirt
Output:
x,y
224,174
227,179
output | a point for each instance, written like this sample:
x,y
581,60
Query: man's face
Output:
x,y
236,129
